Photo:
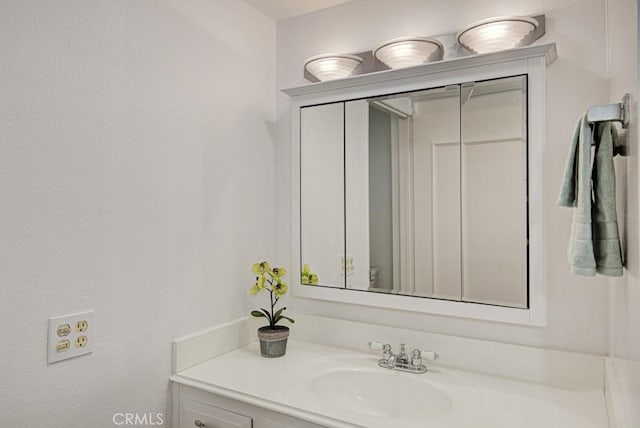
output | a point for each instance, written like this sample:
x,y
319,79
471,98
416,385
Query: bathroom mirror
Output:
x,y
421,189
420,193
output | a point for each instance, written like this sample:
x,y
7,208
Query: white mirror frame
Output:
x,y
532,61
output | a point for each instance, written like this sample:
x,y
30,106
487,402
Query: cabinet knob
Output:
x,y
199,423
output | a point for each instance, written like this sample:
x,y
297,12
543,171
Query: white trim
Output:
x,y
419,304
614,395
530,61
622,400
406,258
397,198
174,416
196,348
536,97
547,51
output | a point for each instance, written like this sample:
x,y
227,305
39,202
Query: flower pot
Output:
x,y
273,341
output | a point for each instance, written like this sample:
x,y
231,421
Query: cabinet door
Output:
x,y
494,192
322,194
198,415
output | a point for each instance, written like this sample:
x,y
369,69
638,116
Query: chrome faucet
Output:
x,y
402,361
402,357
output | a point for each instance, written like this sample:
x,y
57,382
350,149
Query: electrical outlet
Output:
x,y
81,341
82,326
70,336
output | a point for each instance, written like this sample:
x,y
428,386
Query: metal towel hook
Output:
x,y
618,112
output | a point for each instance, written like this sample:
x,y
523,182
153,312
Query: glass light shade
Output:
x,y
496,34
332,66
409,51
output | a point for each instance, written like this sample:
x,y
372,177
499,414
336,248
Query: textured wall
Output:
x,y
136,179
577,307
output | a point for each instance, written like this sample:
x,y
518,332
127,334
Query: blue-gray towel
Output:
x,y
592,247
606,241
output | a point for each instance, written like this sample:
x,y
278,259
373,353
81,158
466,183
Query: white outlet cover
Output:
x,y
53,356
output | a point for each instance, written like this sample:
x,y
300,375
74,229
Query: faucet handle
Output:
x,y
429,355
376,346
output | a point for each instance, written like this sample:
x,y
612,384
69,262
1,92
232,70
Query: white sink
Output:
x,y
387,394
354,388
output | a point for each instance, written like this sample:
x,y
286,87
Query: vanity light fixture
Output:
x,y
409,51
499,33
488,35
331,66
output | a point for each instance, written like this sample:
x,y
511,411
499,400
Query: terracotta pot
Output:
x,y
273,341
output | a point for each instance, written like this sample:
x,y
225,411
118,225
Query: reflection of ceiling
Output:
x,y
487,87
283,9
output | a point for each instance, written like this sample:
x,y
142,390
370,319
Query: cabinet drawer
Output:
x,y
194,414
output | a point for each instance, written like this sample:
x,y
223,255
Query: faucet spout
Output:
x,y
402,361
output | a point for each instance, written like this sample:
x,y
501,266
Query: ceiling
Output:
x,y
283,9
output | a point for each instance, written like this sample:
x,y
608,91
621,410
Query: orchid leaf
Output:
x,y
278,312
267,315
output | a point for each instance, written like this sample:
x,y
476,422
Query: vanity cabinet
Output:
x,y
200,415
195,408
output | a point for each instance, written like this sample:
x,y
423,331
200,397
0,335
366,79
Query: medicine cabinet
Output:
x,y
421,188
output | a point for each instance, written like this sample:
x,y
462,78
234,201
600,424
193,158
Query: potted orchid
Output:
x,y
273,337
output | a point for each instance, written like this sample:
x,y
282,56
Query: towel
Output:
x,y
592,247
576,192
606,241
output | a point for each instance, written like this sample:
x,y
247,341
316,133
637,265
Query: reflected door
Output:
x,y
494,192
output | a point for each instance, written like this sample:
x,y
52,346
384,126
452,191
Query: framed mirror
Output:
x,y
425,195
406,193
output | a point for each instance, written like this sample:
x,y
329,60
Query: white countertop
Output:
x,y
283,385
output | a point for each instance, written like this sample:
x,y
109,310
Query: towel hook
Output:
x,y
618,112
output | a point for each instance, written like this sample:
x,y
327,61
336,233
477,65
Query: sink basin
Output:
x,y
376,393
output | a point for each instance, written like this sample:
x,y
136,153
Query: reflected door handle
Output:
x,y
199,423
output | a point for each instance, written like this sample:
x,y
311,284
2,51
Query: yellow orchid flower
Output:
x,y
277,272
280,288
254,289
306,277
313,279
271,280
261,281
258,286
260,268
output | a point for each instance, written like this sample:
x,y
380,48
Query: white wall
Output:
x,y
136,179
577,309
625,292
